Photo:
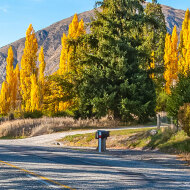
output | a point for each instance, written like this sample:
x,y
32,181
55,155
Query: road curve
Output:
x,y
27,166
50,139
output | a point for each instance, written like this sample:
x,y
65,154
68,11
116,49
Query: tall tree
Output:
x,y
68,67
10,79
41,78
63,67
67,62
34,94
4,98
184,46
28,67
155,38
9,87
171,60
114,79
16,88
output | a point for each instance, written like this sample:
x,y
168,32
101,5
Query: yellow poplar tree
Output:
x,y
73,27
67,64
16,89
34,94
63,59
10,79
41,79
171,59
184,46
174,56
76,29
4,98
152,64
9,87
28,67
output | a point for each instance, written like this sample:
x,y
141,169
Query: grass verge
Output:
x,y
34,127
165,140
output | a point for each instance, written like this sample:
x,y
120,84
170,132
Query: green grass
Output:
x,y
173,143
10,138
129,131
86,138
166,141
91,136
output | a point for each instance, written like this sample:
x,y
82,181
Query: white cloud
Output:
x,y
3,9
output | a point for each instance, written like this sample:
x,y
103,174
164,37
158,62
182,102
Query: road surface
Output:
x,y
27,165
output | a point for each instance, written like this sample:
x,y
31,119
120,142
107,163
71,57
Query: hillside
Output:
x,y
50,38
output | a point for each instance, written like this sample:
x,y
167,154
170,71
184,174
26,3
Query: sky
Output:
x,y
178,4
16,15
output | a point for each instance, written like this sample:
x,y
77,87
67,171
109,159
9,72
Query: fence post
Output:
x,y
158,121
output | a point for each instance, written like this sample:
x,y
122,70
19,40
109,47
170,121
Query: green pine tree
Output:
x,y
114,80
155,34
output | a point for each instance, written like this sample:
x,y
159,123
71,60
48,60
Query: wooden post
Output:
x,y
158,121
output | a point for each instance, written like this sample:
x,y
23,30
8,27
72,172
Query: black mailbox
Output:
x,y
104,134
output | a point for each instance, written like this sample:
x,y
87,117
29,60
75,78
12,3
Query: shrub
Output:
x,y
179,96
161,101
11,116
34,114
184,118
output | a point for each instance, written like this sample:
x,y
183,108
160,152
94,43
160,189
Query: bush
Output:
x,y
179,96
34,114
184,118
161,101
11,116
67,113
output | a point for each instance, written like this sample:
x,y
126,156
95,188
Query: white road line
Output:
x,y
42,181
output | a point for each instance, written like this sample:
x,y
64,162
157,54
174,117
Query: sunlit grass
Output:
x,y
165,140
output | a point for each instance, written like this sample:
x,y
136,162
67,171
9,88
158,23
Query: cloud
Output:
x,y
3,9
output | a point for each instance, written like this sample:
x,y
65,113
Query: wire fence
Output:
x,y
165,121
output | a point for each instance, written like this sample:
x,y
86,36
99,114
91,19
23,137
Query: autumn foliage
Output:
x,y
177,56
26,89
102,58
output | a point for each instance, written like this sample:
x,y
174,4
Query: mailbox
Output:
x,y
102,136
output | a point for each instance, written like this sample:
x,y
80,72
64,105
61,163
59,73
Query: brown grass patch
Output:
x,y
35,127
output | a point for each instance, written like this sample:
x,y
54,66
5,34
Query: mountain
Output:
x,y
50,39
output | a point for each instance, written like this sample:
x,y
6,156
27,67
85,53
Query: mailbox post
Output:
x,y
102,136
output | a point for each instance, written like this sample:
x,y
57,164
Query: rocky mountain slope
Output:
x,y
50,39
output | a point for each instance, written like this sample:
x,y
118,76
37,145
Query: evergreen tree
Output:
x,y
155,40
114,79
155,32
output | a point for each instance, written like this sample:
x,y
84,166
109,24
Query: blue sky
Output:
x,y
178,4
16,15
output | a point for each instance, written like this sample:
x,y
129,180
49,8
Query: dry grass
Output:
x,y
121,139
165,140
185,157
34,127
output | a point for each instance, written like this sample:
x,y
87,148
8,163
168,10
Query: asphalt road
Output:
x,y
24,166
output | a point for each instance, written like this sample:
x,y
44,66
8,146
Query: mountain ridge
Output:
x,y
50,38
